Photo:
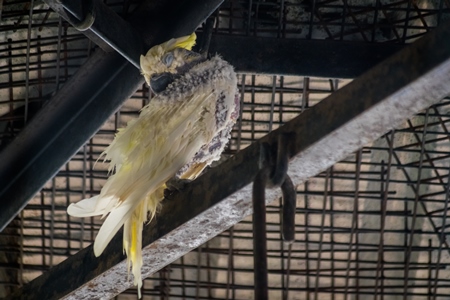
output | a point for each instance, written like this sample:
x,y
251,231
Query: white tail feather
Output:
x,y
112,224
85,208
92,206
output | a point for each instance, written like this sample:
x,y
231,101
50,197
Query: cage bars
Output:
x,y
214,209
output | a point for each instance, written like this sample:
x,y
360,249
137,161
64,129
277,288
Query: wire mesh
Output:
x,y
351,20
374,226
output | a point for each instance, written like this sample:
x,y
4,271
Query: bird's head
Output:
x,y
165,61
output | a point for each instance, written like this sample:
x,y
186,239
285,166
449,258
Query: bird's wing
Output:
x,y
149,151
91,207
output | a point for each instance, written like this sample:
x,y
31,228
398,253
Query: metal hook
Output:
x,y
206,38
275,175
88,17
288,210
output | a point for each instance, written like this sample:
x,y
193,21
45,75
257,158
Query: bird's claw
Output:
x,y
174,185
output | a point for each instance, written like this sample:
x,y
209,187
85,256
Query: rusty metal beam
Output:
x,y
406,83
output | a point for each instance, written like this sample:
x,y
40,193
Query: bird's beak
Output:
x,y
159,82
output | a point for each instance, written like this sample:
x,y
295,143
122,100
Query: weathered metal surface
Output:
x,y
363,110
76,112
318,58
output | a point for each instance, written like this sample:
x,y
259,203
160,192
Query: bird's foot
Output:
x,y
174,185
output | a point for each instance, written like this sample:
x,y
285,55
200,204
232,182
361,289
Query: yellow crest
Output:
x,y
150,63
186,42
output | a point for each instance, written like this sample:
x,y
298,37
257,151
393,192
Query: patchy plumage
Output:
x,y
184,128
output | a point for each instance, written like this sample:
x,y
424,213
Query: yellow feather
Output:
x,y
133,239
186,42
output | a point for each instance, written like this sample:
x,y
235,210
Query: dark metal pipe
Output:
x,y
260,235
288,210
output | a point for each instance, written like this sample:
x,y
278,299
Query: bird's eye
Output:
x,y
167,59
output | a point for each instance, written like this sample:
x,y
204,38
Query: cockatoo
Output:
x,y
182,130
